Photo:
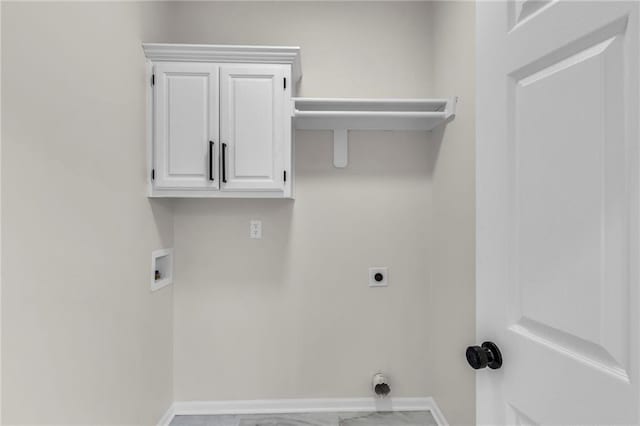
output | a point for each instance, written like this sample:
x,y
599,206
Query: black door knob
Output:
x,y
487,355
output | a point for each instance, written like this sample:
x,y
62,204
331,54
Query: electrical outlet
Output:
x,y
378,276
255,229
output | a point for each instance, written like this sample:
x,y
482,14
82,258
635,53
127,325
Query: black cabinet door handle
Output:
x,y
224,164
211,148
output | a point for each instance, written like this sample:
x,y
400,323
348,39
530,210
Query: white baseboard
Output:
x,y
167,417
281,406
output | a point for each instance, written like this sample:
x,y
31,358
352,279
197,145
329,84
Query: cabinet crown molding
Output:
x,y
168,52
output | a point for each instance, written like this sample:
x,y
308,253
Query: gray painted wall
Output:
x,y
83,340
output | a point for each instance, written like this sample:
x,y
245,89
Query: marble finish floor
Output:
x,y
398,418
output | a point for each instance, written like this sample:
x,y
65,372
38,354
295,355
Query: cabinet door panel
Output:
x,y
186,119
254,126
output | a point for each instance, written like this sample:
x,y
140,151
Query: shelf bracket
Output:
x,y
450,108
340,148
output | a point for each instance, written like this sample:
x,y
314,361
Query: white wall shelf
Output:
x,y
342,115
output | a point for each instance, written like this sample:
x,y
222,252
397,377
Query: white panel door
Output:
x,y
557,211
186,126
254,127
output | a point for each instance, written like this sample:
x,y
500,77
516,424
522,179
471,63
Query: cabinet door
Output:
x,y
186,126
254,127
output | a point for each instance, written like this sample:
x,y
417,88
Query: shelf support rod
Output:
x,y
340,148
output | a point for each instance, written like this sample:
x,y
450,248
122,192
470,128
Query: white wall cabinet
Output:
x,y
255,127
220,120
186,117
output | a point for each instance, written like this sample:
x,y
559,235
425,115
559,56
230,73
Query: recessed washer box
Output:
x,y
161,268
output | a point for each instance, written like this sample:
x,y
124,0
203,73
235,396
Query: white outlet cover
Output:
x,y
255,229
378,270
